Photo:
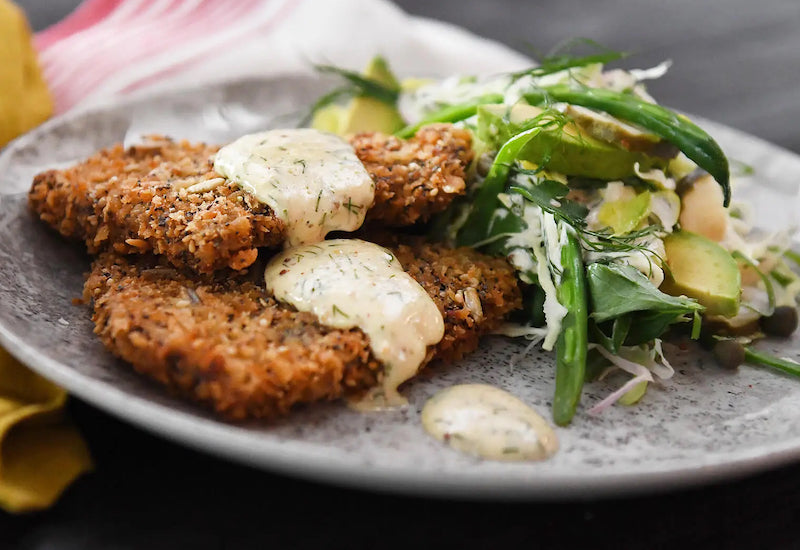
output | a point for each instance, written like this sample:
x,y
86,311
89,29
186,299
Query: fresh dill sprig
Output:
x,y
356,85
551,196
351,207
561,59
362,85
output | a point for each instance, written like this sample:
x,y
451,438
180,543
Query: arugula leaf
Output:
x,y
617,289
632,329
647,325
550,196
626,304
619,329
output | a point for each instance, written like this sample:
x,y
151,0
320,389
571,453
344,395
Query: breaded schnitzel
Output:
x,y
164,197
225,342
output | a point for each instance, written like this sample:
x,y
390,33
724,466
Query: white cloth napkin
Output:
x,y
107,48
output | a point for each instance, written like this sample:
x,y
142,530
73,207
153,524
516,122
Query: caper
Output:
x,y
782,322
729,354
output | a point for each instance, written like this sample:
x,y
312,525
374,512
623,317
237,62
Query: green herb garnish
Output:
x,y
360,85
337,311
561,59
356,86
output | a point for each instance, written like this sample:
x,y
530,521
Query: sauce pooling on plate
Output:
x,y
351,283
312,180
488,422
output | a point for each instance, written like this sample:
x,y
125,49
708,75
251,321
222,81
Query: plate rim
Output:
x,y
303,460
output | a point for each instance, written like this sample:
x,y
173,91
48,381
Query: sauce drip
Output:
x,y
488,422
312,180
351,283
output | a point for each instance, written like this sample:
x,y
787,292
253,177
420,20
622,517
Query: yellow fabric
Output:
x,y
25,100
41,453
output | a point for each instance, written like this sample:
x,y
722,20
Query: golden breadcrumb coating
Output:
x,y
164,197
417,178
225,342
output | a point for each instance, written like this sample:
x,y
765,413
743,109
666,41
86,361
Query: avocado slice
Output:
x,y
701,269
329,119
607,128
363,114
623,216
571,150
414,84
367,114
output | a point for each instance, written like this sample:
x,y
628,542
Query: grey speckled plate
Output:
x,y
704,424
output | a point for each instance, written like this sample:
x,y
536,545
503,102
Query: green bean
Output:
x,y
573,340
760,358
692,140
450,113
477,225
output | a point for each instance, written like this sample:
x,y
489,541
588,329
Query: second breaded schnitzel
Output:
x,y
227,343
164,197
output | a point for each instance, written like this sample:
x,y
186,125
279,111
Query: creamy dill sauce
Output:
x,y
488,422
312,180
351,283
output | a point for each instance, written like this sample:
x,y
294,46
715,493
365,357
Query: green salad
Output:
x,y
616,213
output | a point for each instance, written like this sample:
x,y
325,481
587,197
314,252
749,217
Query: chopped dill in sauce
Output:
x,y
297,171
391,308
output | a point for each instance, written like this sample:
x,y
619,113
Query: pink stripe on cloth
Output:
x,y
142,38
284,12
110,47
86,15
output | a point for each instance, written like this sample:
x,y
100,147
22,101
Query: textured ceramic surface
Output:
x,y
703,424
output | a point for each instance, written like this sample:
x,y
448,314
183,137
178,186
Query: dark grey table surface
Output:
x,y
736,62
